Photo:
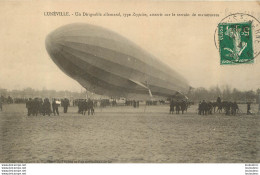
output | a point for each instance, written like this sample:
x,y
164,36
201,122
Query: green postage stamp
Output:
x,y
236,43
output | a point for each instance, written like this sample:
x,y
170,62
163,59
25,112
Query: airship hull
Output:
x,y
108,64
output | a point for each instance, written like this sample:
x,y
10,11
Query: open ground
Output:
x,y
128,135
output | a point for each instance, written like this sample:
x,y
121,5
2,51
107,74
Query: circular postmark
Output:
x,y
237,37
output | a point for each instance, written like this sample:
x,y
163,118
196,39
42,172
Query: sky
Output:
x,y
186,44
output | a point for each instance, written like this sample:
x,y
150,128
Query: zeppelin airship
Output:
x,y
109,64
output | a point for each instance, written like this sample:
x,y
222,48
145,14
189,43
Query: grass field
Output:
x,y
128,135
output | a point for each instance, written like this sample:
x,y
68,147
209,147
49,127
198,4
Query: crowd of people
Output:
x,y
208,108
230,108
86,106
10,100
178,106
37,106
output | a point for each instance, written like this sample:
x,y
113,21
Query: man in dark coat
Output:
x,y
204,107
90,107
236,107
200,108
29,107
178,108
46,107
183,106
1,104
55,107
81,104
84,107
248,108
171,107
35,106
209,107
66,104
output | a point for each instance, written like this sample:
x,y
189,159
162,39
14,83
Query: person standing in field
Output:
x,y
234,108
248,108
171,107
66,105
55,107
29,107
178,107
200,108
1,104
204,107
183,106
90,107
46,107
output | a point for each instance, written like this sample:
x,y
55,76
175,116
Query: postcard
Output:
x,y
129,82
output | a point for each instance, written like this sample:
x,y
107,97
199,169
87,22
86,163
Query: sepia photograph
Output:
x,y
129,82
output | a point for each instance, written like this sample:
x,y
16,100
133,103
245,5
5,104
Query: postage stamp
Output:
x,y
237,38
235,43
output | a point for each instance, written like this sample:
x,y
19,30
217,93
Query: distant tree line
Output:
x,y
195,95
226,94
32,93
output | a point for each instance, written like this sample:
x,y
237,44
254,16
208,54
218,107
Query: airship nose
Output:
x,y
55,44
56,52
55,49
52,45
